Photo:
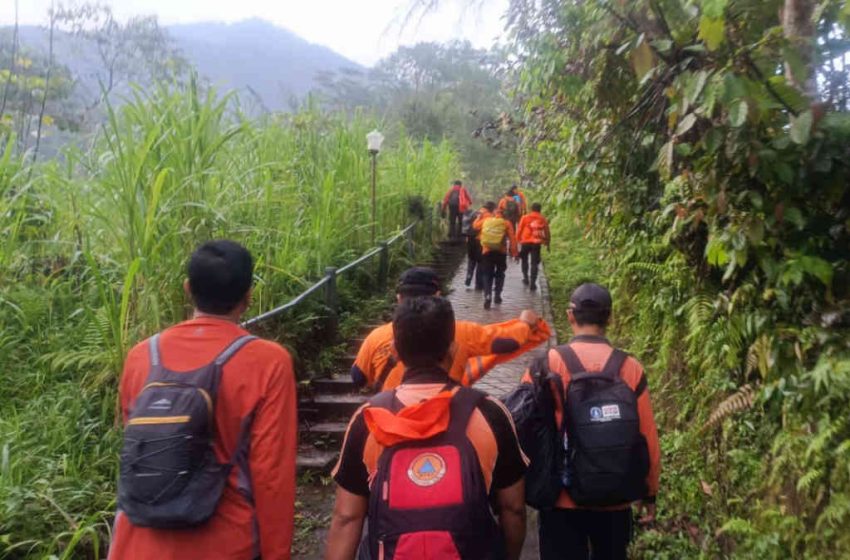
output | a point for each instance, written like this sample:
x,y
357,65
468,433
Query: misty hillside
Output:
x,y
259,60
274,62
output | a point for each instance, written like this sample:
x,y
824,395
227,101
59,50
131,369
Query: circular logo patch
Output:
x,y
426,469
596,413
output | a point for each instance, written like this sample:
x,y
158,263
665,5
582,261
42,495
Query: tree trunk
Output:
x,y
798,28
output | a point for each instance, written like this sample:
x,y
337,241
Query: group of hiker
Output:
x,y
430,467
494,232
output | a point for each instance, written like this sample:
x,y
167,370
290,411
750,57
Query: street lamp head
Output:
x,y
374,140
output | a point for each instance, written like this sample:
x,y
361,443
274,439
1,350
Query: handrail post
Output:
x,y
411,248
438,211
429,230
331,300
383,265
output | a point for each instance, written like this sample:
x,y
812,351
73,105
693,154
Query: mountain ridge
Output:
x,y
270,63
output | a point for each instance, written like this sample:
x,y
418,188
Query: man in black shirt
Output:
x,y
429,409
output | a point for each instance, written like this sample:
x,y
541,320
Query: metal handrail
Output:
x,y
327,278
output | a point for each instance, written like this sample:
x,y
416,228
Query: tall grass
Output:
x,y
92,256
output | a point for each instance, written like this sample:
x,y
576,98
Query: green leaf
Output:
x,y
716,253
642,59
711,31
713,8
686,124
738,113
801,128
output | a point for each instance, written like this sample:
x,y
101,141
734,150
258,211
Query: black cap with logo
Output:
x,y
418,281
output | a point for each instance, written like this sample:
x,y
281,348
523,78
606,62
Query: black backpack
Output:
x,y
466,225
511,211
607,456
169,475
532,406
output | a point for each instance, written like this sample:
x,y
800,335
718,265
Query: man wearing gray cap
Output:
x,y
612,457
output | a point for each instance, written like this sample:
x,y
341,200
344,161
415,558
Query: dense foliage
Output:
x,y
92,257
698,151
438,91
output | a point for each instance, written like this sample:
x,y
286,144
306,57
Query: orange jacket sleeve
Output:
x,y
274,434
496,338
650,432
512,239
523,224
479,222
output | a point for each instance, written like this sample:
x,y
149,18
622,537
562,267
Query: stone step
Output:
x,y
312,459
329,432
335,406
333,385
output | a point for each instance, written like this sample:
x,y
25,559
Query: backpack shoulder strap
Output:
x,y
234,347
463,405
570,358
612,367
213,380
155,372
386,400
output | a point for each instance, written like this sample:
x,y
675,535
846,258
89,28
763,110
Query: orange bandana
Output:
x,y
415,422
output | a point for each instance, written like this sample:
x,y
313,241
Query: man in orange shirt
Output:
x,y
497,239
424,462
252,427
477,348
458,201
570,530
533,233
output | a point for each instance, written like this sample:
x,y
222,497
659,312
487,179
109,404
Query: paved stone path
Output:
x,y
469,306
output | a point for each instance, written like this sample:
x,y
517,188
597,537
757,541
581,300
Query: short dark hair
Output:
x,y
536,207
423,330
490,205
220,275
458,182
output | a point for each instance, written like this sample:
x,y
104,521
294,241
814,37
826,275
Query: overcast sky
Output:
x,y
362,30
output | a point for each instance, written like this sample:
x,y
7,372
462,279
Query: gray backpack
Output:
x,y
169,475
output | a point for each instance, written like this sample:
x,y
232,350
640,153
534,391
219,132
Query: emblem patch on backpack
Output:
x,y
427,469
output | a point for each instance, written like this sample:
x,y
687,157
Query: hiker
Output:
x,y
423,461
593,510
477,348
458,201
532,234
513,205
497,239
210,429
473,244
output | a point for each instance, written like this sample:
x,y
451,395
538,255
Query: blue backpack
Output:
x,y
169,475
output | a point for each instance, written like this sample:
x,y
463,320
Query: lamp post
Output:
x,y
374,140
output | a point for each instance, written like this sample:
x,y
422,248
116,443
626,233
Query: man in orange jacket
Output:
x,y
497,239
532,234
424,462
568,530
254,420
458,201
477,348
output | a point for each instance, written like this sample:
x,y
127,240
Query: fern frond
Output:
x,y
741,399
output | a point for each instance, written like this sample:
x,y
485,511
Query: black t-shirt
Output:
x,y
351,473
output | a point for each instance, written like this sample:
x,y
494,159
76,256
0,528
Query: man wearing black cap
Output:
x,y
579,522
377,364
